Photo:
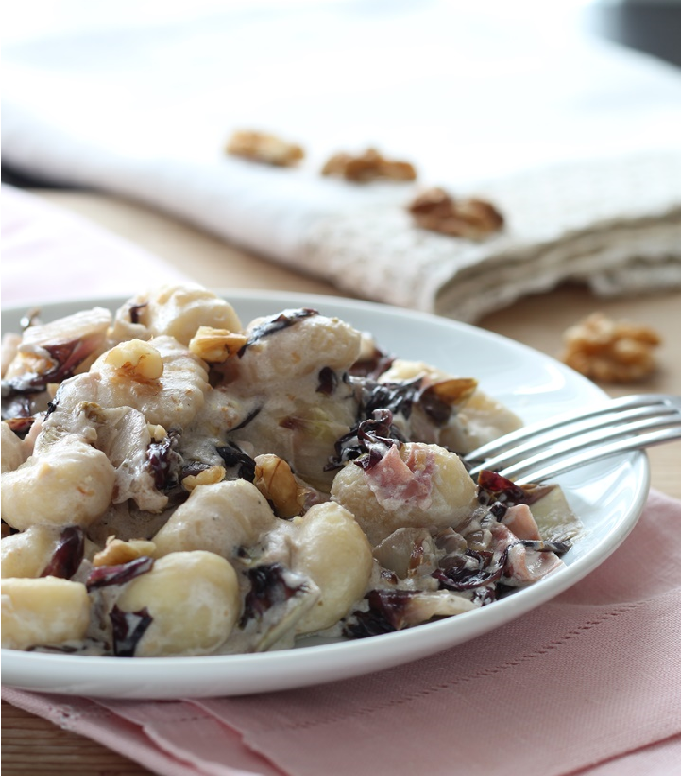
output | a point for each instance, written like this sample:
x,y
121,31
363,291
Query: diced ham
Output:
x,y
502,538
520,521
396,483
526,565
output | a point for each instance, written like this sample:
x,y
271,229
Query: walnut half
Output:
x,y
472,218
278,484
611,351
369,165
216,345
117,552
265,148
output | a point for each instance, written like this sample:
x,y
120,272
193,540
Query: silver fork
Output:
x,y
551,447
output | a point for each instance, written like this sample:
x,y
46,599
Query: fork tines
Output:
x,y
567,441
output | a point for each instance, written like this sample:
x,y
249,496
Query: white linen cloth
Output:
x,y
577,141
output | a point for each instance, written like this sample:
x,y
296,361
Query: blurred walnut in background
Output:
x,y
368,166
611,351
473,218
265,148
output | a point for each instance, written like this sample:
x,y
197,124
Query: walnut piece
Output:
x,y
367,166
135,360
209,476
437,211
265,148
117,552
277,483
216,345
611,351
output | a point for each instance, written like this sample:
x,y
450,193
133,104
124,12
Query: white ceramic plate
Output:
x,y
608,497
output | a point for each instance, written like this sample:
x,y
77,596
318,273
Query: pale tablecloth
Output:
x,y
576,140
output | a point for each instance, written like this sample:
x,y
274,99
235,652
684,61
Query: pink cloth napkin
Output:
x,y
588,682
49,255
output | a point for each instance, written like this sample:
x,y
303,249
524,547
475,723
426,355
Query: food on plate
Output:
x,y
264,147
611,351
369,165
470,218
177,483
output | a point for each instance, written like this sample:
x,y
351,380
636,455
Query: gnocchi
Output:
x,y
47,610
193,602
414,486
333,551
71,483
177,483
13,452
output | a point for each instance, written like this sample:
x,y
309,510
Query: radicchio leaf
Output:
x,y
128,628
328,381
558,548
437,409
377,435
192,469
16,407
268,588
20,426
276,323
67,555
134,312
104,576
399,397
163,462
233,456
65,356
494,488
367,443
460,577
385,614
372,366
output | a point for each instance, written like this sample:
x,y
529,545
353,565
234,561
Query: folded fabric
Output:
x,y
588,682
614,224
576,141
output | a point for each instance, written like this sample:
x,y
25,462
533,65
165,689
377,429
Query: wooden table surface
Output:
x,y
33,746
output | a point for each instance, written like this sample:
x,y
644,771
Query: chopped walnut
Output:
x,y
216,345
473,218
265,148
368,166
277,483
117,552
135,360
610,351
209,476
